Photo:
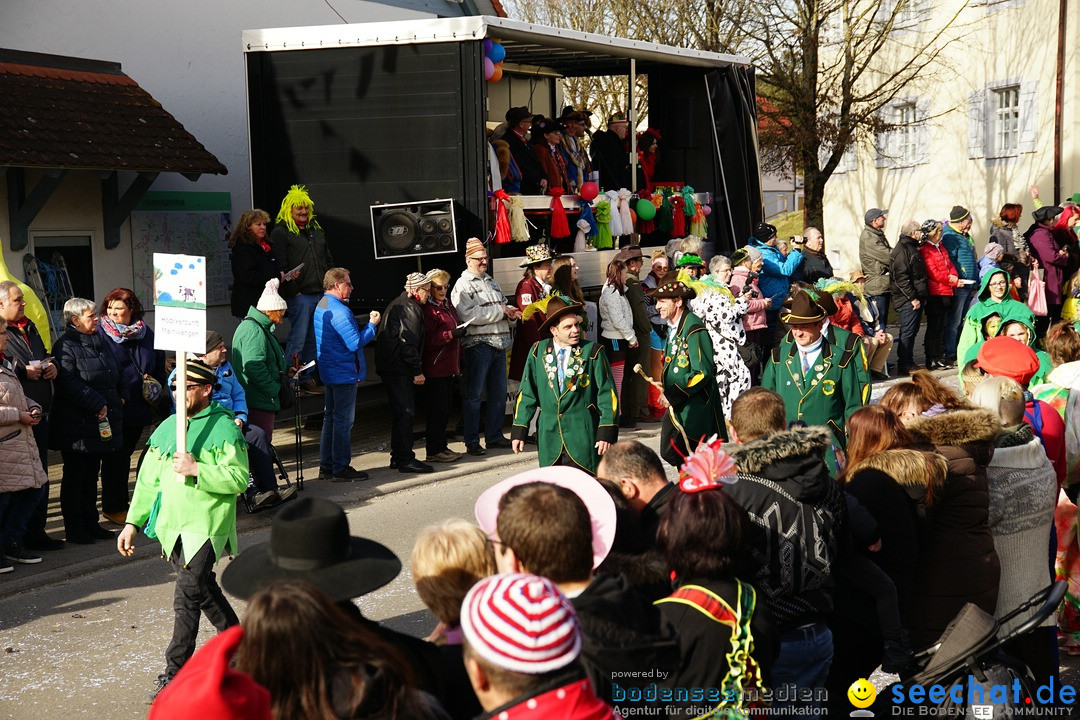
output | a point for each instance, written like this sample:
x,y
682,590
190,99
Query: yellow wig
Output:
x,y
296,197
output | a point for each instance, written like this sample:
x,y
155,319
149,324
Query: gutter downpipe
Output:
x,y
632,114
1059,96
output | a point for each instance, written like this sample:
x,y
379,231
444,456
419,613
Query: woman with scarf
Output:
x,y
251,260
131,342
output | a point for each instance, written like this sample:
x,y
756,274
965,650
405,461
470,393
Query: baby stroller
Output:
x,y
969,655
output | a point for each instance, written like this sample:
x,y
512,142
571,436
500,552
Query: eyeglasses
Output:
x,y
480,260
998,283
438,287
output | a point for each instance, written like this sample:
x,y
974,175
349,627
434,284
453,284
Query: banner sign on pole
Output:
x,y
180,303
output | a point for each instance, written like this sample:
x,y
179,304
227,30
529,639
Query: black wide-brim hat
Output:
x,y
310,541
670,286
557,309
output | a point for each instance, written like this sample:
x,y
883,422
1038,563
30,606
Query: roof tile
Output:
x,y
73,113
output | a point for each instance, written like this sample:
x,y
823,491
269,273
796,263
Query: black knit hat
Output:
x,y
199,372
763,231
958,213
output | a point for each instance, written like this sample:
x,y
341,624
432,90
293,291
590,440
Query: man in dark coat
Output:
x,y
815,264
399,348
27,351
796,514
518,123
635,394
611,153
909,289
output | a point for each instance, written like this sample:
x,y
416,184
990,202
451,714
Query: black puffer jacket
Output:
x,y
622,632
23,346
87,379
796,521
908,272
251,268
957,560
399,346
815,266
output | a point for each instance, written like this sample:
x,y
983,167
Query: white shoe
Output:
x,y
284,493
265,499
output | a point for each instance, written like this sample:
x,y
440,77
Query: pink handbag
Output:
x,y
1037,292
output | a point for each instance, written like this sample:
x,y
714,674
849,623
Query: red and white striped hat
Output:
x,y
521,623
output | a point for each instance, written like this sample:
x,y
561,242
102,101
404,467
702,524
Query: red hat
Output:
x,y
521,623
206,687
1007,357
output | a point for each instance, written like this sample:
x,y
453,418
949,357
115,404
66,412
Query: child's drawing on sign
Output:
x,y
180,281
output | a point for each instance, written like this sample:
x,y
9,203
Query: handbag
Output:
x,y
152,390
1037,292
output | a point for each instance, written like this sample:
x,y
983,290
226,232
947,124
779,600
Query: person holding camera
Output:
x,y
815,265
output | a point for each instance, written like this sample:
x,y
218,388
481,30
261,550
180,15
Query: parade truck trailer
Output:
x,y
384,123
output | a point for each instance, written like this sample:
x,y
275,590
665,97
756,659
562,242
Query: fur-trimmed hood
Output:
x,y
911,469
795,458
957,427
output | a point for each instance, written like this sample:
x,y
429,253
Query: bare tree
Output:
x,y
829,69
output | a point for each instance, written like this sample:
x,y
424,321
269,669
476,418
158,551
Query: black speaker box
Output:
x,y
424,227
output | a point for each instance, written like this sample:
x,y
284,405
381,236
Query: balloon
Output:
x,y
497,52
489,68
633,217
496,76
589,191
706,210
646,211
488,44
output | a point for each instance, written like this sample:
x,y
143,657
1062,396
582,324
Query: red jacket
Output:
x,y
442,351
938,268
573,701
846,317
529,290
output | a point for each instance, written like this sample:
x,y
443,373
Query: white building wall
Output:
x,y
1011,41
188,56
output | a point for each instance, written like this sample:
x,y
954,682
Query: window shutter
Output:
x,y
1029,120
977,124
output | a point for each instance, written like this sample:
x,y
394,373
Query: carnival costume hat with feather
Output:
x,y
297,197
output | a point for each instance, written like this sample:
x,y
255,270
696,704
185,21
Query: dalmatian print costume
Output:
x,y
722,316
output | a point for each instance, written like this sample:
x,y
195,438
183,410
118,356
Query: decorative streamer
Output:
x,y
519,229
559,227
602,241
616,220
678,217
583,227
698,226
502,218
624,212
587,215
663,216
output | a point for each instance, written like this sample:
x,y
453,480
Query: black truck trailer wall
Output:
x,y
366,125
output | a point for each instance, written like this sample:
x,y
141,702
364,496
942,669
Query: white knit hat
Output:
x,y
270,300
521,623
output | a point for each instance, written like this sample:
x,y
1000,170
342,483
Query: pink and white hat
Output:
x,y
521,623
596,499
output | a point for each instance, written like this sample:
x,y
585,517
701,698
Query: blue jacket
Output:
x,y
775,278
230,395
962,253
339,342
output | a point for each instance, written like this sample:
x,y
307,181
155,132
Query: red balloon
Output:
x,y
589,191
496,74
633,216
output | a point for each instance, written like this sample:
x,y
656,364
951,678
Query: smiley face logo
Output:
x,y
862,693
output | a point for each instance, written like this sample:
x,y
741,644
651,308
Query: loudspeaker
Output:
x,y
426,227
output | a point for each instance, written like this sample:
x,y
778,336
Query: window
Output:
x,y
904,142
1007,120
1002,120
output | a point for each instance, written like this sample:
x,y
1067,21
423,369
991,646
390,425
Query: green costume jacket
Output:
x,y
200,508
259,361
838,384
971,330
690,381
1010,313
572,419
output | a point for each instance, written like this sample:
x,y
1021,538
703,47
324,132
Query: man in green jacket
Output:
x,y
572,386
690,392
193,516
821,374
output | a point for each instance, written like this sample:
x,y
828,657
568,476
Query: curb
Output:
x,y
383,482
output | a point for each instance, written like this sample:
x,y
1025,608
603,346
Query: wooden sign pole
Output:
x,y
181,406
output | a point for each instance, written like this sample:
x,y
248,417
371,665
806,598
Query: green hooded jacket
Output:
x,y
971,330
1010,313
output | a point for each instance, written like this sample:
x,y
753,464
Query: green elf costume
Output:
x,y
833,385
577,410
993,300
194,519
694,408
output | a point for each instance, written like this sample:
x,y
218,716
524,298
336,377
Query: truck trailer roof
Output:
x,y
570,52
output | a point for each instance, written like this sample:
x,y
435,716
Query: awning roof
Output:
x,y
74,113
569,52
